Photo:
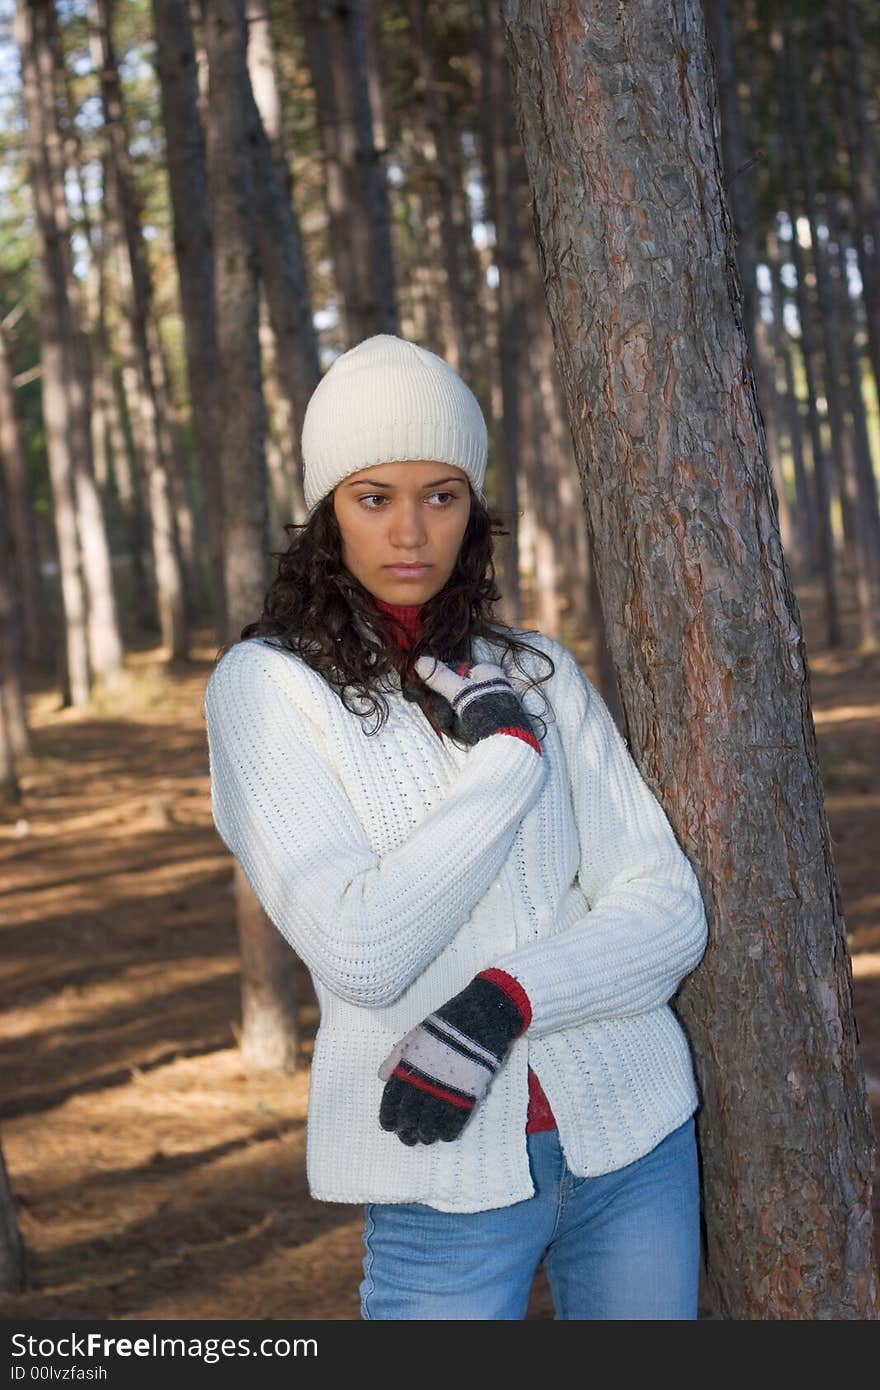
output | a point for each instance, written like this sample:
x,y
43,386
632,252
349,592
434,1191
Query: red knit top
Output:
x,y
407,629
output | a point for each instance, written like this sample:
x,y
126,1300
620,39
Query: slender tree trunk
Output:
x,y
283,272
781,141
155,449
110,392
704,631
38,629
281,465
357,195
188,179
13,1256
504,184
739,182
58,353
102,624
864,483
14,735
796,38
442,170
806,544
852,92
269,1018
195,596
128,472
540,459
430,319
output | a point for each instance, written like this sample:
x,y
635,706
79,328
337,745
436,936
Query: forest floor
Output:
x,y
154,1177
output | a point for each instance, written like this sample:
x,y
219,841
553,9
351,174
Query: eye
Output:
x,y
368,497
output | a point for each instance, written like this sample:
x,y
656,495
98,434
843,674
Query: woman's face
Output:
x,y
395,514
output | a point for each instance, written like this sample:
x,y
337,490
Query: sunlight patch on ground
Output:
x,y
71,1006
866,963
842,714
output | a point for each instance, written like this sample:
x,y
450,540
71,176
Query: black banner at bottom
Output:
x,y
130,1353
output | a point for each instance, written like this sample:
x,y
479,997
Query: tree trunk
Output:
x,y
357,194
38,633
739,183
837,220
781,142
14,734
441,168
281,462
136,291
128,464
864,483
852,92
704,631
196,600
503,187
108,393
13,1257
188,180
859,564
283,272
540,459
102,625
805,545
270,1027
60,365
568,537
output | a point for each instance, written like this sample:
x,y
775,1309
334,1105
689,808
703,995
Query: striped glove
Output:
x,y
484,701
441,1068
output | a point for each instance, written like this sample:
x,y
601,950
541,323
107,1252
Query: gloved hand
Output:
x,y
484,701
441,1068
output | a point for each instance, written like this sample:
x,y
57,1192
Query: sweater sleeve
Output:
x,y
365,925
646,928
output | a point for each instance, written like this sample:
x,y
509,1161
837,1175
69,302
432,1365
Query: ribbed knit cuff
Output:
x,y
526,738
512,988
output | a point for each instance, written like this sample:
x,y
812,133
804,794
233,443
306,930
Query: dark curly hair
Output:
x,y
312,606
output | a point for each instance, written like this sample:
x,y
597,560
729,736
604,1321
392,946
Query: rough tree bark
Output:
x,y
617,114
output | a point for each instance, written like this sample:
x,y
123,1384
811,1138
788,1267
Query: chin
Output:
x,y
415,590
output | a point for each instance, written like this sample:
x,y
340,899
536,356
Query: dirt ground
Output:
x,y
154,1177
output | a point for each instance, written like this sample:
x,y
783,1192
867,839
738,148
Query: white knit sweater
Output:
x,y
398,865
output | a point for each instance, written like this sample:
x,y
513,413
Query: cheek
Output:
x,y
455,525
358,531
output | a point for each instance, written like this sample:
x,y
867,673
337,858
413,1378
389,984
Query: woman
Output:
x,y
491,902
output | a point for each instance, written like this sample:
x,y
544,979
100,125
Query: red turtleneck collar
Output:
x,y
407,624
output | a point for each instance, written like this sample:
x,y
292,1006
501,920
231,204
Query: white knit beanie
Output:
x,y
386,400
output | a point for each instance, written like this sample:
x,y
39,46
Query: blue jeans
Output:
x,y
623,1245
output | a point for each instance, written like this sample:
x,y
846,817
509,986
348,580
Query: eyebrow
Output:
x,y
375,482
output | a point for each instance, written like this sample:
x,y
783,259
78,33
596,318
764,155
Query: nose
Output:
x,y
408,525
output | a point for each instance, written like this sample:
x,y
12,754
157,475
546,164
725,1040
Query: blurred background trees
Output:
x,y
350,170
